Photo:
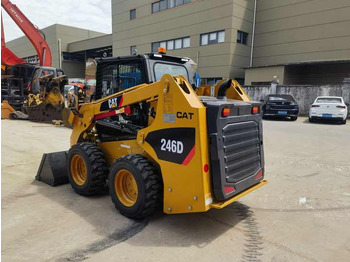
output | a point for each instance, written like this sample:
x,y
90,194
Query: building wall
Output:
x,y
23,48
264,74
290,31
74,69
200,16
91,43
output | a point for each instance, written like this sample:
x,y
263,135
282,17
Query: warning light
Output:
x,y
161,50
226,112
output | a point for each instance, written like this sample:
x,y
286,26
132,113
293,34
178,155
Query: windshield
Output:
x,y
161,69
328,100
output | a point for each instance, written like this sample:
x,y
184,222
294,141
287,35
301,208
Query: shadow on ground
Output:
x,y
197,229
322,122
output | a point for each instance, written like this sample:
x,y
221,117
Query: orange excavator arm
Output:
x,y
32,32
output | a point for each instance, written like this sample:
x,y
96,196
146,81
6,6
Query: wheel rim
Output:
x,y
78,170
125,187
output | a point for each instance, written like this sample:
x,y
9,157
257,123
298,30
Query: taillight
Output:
x,y
315,106
229,189
255,110
259,175
28,87
343,107
225,112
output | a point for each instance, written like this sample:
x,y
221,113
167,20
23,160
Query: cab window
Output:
x,y
120,76
160,69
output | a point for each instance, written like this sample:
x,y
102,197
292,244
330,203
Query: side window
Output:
x,y
46,72
130,75
35,76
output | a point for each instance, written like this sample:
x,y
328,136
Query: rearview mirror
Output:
x,y
262,100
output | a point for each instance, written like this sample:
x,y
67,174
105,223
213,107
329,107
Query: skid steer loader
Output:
x,y
155,140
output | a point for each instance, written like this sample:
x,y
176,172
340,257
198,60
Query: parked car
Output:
x,y
330,108
280,106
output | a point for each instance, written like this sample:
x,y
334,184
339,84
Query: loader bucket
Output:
x,y
53,169
6,110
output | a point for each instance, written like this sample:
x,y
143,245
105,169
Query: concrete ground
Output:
x,y
303,213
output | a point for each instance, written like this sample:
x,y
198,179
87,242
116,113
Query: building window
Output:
x,y
74,57
32,59
242,37
133,50
166,4
178,43
240,81
213,38
155,7
132,14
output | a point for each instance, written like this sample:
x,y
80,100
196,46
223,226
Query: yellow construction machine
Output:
x,y
156,139
47,103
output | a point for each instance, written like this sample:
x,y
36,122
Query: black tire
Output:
x,y
148,181
96,169
293,118
311,120
343,122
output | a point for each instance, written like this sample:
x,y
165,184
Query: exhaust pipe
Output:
x,y
223,88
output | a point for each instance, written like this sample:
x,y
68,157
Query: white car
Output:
x,y
328,107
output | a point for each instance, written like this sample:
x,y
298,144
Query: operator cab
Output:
x,y
34,84
115,74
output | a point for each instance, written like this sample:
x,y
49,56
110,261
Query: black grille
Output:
x,y
241,148
282,106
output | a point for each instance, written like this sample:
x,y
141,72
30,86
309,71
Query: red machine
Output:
x,y
33,34
7,57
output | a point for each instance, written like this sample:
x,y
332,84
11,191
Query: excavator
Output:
x,y
27,87
157,140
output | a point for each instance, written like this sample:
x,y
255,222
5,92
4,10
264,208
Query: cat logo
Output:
x,y
113,102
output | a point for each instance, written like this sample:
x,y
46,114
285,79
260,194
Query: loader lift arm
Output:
x,y
83,118
31,31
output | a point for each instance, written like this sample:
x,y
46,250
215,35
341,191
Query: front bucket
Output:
x,y
53,169
6,110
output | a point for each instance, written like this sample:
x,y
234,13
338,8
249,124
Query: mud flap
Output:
x,y
53,169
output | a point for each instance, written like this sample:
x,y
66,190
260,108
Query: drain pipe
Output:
x,y
59,53
253,36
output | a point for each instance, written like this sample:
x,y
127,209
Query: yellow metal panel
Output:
x,y
234,92
220,205
116,149
185,186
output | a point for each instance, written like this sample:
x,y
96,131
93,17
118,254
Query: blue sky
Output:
x,y
88,14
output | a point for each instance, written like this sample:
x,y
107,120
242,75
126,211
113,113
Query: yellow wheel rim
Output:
x,y
78,170
125,187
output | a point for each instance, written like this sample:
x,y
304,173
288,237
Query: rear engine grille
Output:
x,y
241,147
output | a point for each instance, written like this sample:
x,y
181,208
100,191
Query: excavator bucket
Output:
x,y
6,110
53,169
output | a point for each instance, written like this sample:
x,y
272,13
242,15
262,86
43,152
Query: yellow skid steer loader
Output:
x,y
154,139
